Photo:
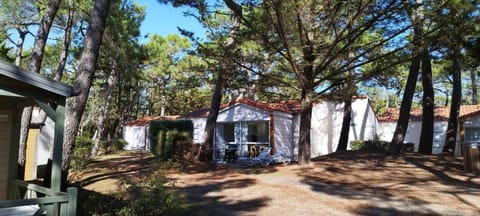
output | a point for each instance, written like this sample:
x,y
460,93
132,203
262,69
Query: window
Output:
x,y
229,132
472,134
257,131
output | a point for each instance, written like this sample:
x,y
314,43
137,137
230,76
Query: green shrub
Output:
x,y
369,145
113,146
81,152
152,197
165,136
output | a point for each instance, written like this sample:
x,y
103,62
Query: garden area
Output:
x,y
348,183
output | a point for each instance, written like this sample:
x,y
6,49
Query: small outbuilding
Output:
x,y
18,89
136,132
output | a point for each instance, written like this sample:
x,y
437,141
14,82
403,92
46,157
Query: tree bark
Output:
x,y
451,138
34,66
306,78
426,136
83,80
473,77
110,85
207,145
347,118
66,42
304,144
19,46
402,124
347,105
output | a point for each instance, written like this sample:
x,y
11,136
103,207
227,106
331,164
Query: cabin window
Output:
x,y
257,131
247,137
229,132
472,134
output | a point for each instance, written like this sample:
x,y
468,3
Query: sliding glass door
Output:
x,y
246,137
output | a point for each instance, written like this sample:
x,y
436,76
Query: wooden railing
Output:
x,y
49,202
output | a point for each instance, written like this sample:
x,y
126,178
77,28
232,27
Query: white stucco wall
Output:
x,y
327,118
44,142
135,136
198,129
364,121
242,112
326,124
386,130
283,131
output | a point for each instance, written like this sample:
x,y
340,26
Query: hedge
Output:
x,y
165,136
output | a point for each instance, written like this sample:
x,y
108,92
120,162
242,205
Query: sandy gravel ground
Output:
x,y
350,183
339,184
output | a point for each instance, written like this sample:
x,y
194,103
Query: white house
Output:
x,y
469,126
136,132
250,125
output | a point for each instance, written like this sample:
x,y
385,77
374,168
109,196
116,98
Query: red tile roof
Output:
x,y
291,106
147,119
441,113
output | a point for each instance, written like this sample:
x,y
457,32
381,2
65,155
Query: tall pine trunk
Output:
x,y
473,77
402,124
304,153
83,80
347,118
451,138
207,145
306,78
34,66
107,96
347,103
428,101
206,153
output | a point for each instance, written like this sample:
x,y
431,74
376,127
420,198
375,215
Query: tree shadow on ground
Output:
x,y
201,201
398,185
94,203
204,199
137,165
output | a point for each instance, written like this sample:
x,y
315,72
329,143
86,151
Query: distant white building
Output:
x,y
136,132
469,126
250,125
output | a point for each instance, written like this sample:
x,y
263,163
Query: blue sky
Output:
x,y
159,19
163,19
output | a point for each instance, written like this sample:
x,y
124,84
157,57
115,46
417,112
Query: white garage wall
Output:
x,y
135,136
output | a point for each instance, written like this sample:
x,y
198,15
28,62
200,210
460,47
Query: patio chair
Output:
x,y
282,155
264,158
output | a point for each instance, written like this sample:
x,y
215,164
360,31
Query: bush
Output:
x,y
165,136
369,145
152,198
81,153
186,151
113,146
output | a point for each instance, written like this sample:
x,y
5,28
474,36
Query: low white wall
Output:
x,y
327,119
199,129
387,129
135,136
